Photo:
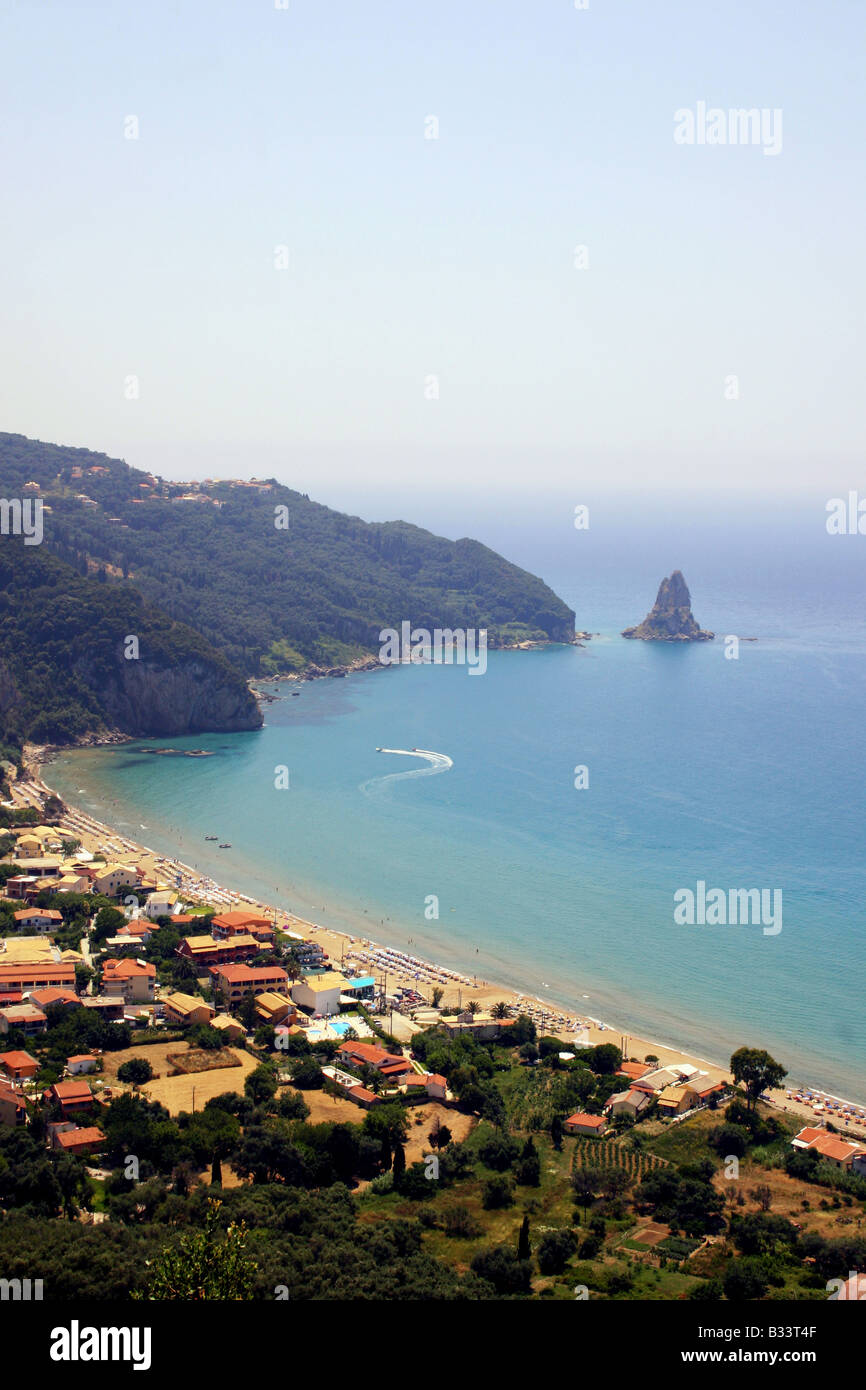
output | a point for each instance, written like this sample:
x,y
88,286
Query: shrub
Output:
x,y
497,1194
555,1251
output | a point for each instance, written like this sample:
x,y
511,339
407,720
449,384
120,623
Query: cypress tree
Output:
x,y
524,1249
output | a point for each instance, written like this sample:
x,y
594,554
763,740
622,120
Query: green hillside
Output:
x,y
268,598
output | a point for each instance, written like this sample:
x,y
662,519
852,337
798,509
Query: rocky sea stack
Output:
x,y
670,619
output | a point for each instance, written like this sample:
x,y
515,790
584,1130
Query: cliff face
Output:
x,y
80,658
167,701
670,619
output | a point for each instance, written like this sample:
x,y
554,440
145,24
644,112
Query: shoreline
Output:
x,y
402,968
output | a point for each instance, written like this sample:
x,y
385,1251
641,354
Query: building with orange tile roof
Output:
x,y
580,1123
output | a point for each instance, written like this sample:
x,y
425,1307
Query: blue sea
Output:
x,y
740,773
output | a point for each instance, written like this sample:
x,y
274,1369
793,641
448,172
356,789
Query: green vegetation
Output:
x,y
341,1209
271,598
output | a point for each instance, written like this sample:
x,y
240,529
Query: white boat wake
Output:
x,y
436,762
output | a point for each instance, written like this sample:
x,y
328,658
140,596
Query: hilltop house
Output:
x,y
634,1070
228,1026
654,1082
137,932
427,1083
44,998
36,973
481,1025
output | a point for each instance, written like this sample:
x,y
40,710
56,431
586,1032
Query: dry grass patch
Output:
x,y
157,1054
191,1091
787,1197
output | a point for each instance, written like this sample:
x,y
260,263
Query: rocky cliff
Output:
x,y
82,658
148,699
670,618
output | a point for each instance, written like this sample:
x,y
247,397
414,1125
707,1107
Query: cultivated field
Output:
x,y
196,1059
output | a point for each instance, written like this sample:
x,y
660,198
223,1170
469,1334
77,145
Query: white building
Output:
x,y
320,993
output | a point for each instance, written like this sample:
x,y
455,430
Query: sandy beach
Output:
x,y
400,969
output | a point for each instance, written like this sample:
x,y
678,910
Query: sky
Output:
x,y
283,274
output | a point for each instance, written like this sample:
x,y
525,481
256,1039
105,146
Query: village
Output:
x,y
239,983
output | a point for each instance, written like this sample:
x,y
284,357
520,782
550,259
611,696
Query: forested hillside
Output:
x,y
272,590
64,668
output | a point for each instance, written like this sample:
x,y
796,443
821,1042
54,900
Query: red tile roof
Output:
x,y
586,1121
71,1090
833,1147
241,919
362,1093
14,1061
72,1138
809,1134
237,974
44,997
127,969
374,1056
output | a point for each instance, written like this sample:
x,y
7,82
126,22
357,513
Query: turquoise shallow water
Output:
x,y
744,774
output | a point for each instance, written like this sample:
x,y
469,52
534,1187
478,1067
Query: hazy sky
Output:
x,y
411,258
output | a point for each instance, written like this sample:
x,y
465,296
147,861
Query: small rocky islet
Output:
x,y
670,618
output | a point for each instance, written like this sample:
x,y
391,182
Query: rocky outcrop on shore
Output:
x,y
670,619
148,698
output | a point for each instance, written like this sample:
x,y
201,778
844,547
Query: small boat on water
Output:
x,y
226,846
211,837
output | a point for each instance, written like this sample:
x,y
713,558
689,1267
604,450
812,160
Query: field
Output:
x,y
325,1109
156,1054
176,1092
